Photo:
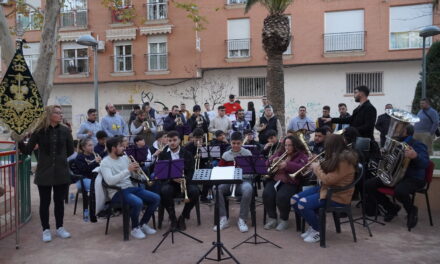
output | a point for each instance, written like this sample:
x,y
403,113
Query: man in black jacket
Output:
x,y
172,188
364,116
382,124
197,120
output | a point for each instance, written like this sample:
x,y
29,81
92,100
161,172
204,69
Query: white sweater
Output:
x,y
220,123
115,172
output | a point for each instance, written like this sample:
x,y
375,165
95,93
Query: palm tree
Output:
x,y
276,38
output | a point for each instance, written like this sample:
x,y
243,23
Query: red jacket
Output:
x,y
232,108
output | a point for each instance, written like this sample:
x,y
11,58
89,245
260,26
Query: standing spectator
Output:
x,y
240,124
232,106
320,120
133,115
144,127
148,109
113,124
382,124
302,122
265,103
185,112
221,122
209,114
425,129
90,127
342,114
266,123
251,115
55,144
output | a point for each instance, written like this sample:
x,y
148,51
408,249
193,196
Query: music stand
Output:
x,y
363,145
204,176
168,170
253,149
255,165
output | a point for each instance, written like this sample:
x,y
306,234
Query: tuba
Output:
x,y
392,167
300,134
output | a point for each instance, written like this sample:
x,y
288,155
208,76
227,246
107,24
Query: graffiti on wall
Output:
x,y
313,109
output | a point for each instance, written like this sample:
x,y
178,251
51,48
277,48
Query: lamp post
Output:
x,y
426,32
87,40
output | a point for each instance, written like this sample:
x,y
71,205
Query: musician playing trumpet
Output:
x,y
197,120
337,169
144,126
85,162
116,170
280,187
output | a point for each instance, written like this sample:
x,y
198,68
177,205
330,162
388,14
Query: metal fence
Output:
x,y
346,41
8,179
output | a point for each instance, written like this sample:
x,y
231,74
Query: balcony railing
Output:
x,y
346,41
79,65
238,48
74,18
157,61
157,10
121,14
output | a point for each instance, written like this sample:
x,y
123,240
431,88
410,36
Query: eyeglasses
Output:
x,y
57,113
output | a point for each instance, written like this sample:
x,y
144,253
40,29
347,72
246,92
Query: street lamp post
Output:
x,y
426,32
87,40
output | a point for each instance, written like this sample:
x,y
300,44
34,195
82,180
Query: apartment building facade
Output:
x,y
157,55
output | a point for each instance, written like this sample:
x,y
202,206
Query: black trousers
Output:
x,y
171,190
59,193
278,198
402,191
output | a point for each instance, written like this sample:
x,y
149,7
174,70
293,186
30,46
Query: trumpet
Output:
x,y
94,160
178,121
198,155
233,187
246,139
140,173
273,168
184,189
199,121
306,168
146,125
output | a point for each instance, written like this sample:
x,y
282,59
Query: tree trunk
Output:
x,y
275,85
6,42
45,70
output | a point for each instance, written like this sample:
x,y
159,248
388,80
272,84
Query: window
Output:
x,y
342,36
74,13
289,49
31,53
157,53
157,9
123,3
67,113
74,59
124,110
252,86
238,42
123,59
30,21
405,24
236,2
373,80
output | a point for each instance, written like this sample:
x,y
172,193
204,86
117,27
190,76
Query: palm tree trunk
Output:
x,y
275,85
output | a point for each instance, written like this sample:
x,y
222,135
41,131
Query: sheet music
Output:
x,y
222,173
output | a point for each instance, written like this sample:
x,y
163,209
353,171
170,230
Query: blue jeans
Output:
x,y
87,183
135,197
307,202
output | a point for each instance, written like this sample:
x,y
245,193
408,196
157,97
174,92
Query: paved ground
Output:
x,y
390,244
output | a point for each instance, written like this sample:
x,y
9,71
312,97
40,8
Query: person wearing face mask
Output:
x,y
113,124
363,117
413,180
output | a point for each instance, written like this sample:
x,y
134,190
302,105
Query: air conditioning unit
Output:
x,y
101,45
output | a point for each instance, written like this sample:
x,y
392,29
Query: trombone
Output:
x,y
184,189
303,170
273,168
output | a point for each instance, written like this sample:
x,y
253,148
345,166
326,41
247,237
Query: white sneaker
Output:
x,y
271,224
282,225
313,237
307,233
148,230
242,225
61,232
137,233
224,223
47,236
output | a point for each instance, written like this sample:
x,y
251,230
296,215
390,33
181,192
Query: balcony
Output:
x,y
157,63
75,66
238,48
122,15
344,42
157,11
73,18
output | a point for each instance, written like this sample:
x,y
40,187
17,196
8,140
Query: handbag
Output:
x,y
437,131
